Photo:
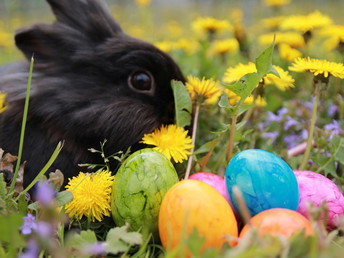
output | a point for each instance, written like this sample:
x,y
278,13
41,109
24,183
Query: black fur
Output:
x,y
80,90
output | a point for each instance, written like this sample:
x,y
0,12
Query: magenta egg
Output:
x,y
213,180
317,188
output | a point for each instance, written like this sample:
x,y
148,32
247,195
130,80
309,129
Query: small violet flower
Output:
x,y
309,105
44,229
333,127
292,140
271,135
29,224
97,248
332,110
281,112
31,251
289,123
272,117
45,193
304,134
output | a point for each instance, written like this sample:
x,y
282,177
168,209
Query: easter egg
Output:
x,y
213,180
316,188
192,204
265,180
278,222
139,187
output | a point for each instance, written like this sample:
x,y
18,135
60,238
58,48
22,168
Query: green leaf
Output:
x,y
208,146
3,191
119,239
9,225
183,104
195,242
63,198
338,144
244,87
264,61
82,240
44,169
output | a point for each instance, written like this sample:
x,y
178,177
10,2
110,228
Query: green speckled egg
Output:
x,y
139,187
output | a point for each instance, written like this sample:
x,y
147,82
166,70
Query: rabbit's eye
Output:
x,y
142,81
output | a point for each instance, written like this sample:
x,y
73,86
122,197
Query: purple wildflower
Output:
x,y
44,229
97,248
309,105
31,251
333,127
281,112
291,140
289,123
272,117
271,135
332,110
29,224
45,193
304,134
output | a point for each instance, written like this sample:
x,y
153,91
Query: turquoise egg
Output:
x,y
265,180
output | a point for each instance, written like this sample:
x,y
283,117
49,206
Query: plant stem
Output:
x,y
44,169
231,137
22,133
194,131
317,86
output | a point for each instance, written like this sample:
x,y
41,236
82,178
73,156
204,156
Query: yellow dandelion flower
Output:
x,y
189,46
293,39
91,195
233,99
174,29
170,140
275,3
260,101
336,31
234,74
166,46
335,34
211,25
288,53
142,2
333,43
273,22
220,47
285,81
6,39
306,23
318,67
205,89
2,102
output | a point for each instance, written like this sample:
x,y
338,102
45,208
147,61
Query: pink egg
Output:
x,y
317,188
213,180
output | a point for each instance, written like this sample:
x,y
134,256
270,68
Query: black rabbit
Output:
x,y
91,82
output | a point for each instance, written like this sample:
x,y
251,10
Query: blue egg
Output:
x,y
265,180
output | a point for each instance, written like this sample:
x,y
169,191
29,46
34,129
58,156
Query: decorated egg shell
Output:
x,y
317,189
265,180
192,204
217,182
139,187
213,180
278,222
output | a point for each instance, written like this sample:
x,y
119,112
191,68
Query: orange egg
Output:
x,y
192,204
278,222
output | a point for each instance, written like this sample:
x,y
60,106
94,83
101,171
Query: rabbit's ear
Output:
x,y
90,17
80,25
48,42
